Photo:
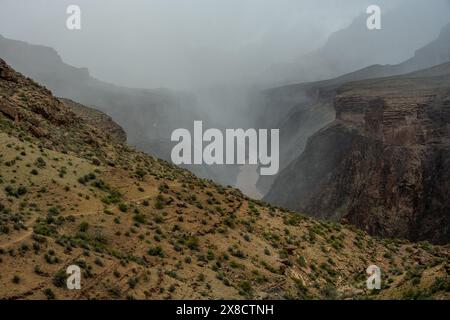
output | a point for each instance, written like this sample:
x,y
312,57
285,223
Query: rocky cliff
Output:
x,y
299,110
383,163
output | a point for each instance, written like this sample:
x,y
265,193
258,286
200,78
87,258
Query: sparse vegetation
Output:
x,y
141,228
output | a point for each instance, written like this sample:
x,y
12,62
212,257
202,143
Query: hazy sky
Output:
x,y
180,43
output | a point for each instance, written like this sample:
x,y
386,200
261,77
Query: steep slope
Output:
x,y
383,163
97,119
139,227
148,116
300,110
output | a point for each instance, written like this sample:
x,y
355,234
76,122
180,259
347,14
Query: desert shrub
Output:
x,y
140,218
159,202
16,279
132,282
245,288
20,191
440,284
192,243
85,179
301,261
140,173
83,227
98,262
60,278
53,211
40,163
49,294
123,207
113,196
156,251
38,270
329,292
44,229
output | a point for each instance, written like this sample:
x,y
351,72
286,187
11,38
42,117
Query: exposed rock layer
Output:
x,y
383,163
299,110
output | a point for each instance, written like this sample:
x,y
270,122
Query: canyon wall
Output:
x,y
383,164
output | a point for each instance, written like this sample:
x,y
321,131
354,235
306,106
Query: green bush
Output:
x,y
123,207
156,251
83,227
49,294
60,278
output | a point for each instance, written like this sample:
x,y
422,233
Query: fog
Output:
x,y
187,44
224,52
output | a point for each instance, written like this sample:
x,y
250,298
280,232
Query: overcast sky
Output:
x,y
180,43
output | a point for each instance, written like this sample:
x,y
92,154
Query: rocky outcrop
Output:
x,y
299,110
20,103
28,109
147,115
97,119
8,110
382,165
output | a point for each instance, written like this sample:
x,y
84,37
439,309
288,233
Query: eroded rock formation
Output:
x,y
383,164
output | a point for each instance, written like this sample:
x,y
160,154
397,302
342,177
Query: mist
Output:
x,y
190,44
221,52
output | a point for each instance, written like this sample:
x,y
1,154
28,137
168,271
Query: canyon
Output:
x,y
72,193
298,110
382,165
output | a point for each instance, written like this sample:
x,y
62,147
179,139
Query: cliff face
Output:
x,y
383,163
299,110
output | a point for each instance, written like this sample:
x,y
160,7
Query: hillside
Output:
x,y
147,115
142,228
382,165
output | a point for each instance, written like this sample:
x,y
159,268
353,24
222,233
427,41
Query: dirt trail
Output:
x,y
29,230
20,238
17,240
